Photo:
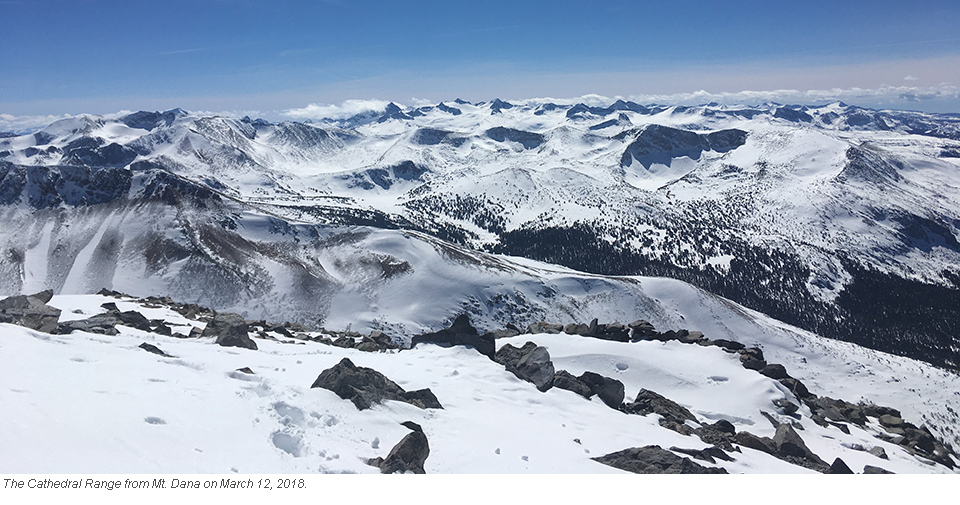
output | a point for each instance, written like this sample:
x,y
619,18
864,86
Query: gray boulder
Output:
x,y
530,363
867,469
101,324
839,467
790,447
650,402
749,440
230,330
461,332
775,371
609,390
652,459
30,311
366,387
566,380
409,454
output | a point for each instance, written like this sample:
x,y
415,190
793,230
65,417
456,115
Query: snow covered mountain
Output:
x,y
840,220
376,230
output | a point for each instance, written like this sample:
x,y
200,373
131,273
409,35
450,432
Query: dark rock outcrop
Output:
x,y
650,402
530,363
790,447
839,467
609,390
867,469
652,459
154,349
366,387
749,440
230,330
461,332
409,454
566,380
30,311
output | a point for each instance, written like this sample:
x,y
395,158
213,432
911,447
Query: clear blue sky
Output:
x,y
101,56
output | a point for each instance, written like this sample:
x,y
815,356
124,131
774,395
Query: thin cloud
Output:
x,y
344,110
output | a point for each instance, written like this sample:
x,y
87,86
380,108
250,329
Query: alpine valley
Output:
x,y
781,284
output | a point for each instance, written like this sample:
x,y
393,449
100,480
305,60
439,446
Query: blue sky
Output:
x,y
98,56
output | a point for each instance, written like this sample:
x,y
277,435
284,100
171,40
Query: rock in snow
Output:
x,y
366,387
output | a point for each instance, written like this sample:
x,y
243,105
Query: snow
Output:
x,y
83,403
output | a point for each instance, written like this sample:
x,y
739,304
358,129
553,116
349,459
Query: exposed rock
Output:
x,y
383,340
230,330
609,390
890,421
867,469
752,359
423,398
720,434
577,329
30,311
791,447
366,387
751,441
163,329
775,371
195,332
134,319
461,332
796,387
246,370
710,454
652,459
530,363
877,410
878,452
154,349
728,345
101,324
839,467
368,347
650,402
641,329
786,406
345,342
566,380
409,454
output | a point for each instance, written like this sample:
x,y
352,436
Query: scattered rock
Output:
x,y
566,380
867,469
786,406
650,402
31,311
530,363
134,319
728,345
790,447
461,332
839,467
409,454
878,452
652,459
155,350
100,324
163,329
609,390
752,359
796,387
775,371
751,441
710,454
642,329
366,387
230,330
246,370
